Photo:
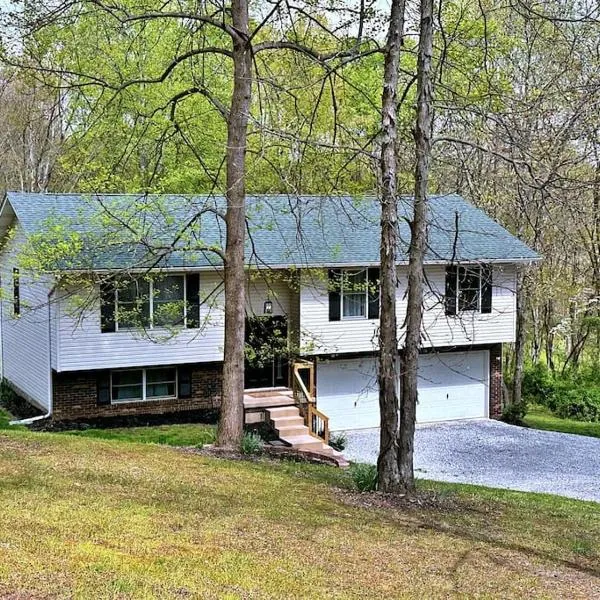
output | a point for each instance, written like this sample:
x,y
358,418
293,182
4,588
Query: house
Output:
x,y
105,315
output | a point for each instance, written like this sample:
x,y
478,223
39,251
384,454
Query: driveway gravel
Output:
x,y
498,455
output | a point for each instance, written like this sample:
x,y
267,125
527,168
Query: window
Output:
x,y
168,306
353,294
151,302
468,289
135,385
16,293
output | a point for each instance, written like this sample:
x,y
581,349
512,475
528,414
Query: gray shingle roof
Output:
x,y
128,231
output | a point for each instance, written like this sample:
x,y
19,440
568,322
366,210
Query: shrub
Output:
x,y
538,384
364,477
338,442
251,443
514,413
580,404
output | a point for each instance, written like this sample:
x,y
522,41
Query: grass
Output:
x,y
93,518
188,434
540,417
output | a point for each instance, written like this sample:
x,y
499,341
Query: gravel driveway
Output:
x,y
497,455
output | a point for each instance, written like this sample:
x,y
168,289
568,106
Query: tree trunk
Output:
x,y
231,422
519,341
418,240
388,375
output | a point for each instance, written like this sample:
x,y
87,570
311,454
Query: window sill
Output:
x,y
143,400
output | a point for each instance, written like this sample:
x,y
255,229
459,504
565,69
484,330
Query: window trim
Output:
x,y
182,325
364,317
144,397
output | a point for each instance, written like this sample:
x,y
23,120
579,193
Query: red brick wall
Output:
x,y
75,396
496,381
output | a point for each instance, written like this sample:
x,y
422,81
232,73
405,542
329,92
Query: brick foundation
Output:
x,y
76,396
496,381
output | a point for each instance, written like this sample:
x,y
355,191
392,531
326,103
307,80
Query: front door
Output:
x,y
266,362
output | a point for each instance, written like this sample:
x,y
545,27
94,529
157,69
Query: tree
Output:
x,y
416,252
388,375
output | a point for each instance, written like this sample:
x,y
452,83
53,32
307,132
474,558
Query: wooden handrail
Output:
x,y
314,419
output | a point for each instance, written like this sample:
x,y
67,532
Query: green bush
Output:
x,y
338,442
251,443
580,404
514,413
364,477
538,385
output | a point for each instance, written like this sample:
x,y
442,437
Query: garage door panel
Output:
x,y
347,393
451,386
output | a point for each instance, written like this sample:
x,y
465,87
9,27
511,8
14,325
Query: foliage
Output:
x,y
572,395
538,383
251,443
364,477
338,441
514,412
580,404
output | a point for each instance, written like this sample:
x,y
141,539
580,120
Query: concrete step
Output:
x,y
291,431
290,421
268,391
305,442
283,411
266,401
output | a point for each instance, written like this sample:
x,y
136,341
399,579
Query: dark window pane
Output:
x,y
160,375
133,303
127,392
168,300
127,377
157,390
354,288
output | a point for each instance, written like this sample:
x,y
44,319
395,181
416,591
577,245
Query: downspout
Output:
x,y
50,386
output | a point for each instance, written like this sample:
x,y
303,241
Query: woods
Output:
x,y
496,101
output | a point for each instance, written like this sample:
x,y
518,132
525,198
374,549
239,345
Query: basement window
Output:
x,y
138,385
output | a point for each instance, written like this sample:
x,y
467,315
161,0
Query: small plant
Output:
x,y
515,412
338,442
364,477
251,443
582,546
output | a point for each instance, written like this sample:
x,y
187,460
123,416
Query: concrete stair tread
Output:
x,y
267,401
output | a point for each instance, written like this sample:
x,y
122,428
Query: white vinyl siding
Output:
x,y
25,339
82,345
322,336
319,335
467,328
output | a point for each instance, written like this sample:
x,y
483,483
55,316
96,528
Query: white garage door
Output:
x,y
347,393
452,385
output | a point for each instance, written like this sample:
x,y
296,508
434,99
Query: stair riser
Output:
x,y
292,431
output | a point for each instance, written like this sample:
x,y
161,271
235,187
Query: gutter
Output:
x,y
48,414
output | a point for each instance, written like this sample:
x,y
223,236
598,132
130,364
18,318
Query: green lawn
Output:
x,y
91,518
540,417
186,434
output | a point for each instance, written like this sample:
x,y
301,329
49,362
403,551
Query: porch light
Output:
x,y
268,307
